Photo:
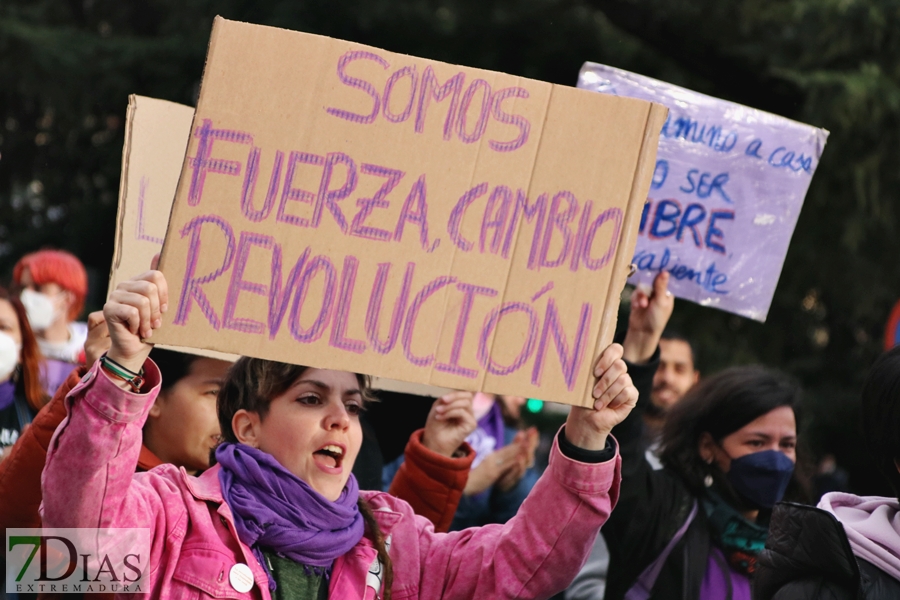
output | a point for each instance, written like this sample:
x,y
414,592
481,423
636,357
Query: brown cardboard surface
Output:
x,y
333,211
156,135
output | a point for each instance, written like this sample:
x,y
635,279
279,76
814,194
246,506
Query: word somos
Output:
x,y
409,94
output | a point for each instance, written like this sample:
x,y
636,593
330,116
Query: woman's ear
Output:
x,y
156,409
706,447
245,425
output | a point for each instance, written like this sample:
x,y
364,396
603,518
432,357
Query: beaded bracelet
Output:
x,y
135,380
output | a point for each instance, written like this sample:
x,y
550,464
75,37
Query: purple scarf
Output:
x,y
275,509
7,394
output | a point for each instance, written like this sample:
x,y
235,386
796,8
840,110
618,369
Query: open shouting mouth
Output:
x,y
330,457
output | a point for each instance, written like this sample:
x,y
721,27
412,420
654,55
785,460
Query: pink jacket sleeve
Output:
x,y
88,477
534,555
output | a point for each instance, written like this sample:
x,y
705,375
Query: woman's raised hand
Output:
x,y
614,397
132,312
449,423
650,313
97,341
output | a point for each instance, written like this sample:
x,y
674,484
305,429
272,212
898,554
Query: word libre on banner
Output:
x,y
345,207
727,189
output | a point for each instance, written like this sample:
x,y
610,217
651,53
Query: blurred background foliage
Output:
x,y
67,67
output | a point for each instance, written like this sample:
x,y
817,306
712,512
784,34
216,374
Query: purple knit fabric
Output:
x,y
276,510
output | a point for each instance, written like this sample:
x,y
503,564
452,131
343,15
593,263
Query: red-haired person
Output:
x,y
53,286
21,393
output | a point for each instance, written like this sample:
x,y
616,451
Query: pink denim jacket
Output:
x,y
89,481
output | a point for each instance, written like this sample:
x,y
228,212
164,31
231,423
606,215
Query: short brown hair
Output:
x,y
252,383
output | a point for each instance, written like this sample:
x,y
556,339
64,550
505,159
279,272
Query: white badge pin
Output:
x,y
241,578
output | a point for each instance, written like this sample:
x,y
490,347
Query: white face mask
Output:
x,y
9,355
40,308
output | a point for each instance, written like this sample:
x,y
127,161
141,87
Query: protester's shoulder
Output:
x,y
395,517
167,479
666,486
806,550
663,505
875,584
382,501
806,531
162,472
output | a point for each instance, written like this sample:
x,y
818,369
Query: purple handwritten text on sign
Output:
x,y
727,191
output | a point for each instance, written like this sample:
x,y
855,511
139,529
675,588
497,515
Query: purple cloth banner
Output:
x,y
726,194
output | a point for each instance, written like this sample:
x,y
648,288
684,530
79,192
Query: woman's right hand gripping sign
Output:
x,y
132,312
614,397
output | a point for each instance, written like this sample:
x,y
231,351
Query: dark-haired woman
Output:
x,y
280,515
692,530
21,392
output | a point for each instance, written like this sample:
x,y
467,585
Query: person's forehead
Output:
x,y
778,421
50,287
675,351
335,380
47,286
208,368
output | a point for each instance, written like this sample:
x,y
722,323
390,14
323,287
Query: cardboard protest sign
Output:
x,y
349,208
156,135
726,193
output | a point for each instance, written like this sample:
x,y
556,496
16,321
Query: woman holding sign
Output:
x,y
281,516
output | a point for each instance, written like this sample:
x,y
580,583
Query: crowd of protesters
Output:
x,y
259,479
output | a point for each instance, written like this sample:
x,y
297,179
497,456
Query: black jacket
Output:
x,y
652,506
808,556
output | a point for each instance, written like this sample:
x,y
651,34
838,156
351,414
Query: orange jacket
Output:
x,y
430,482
